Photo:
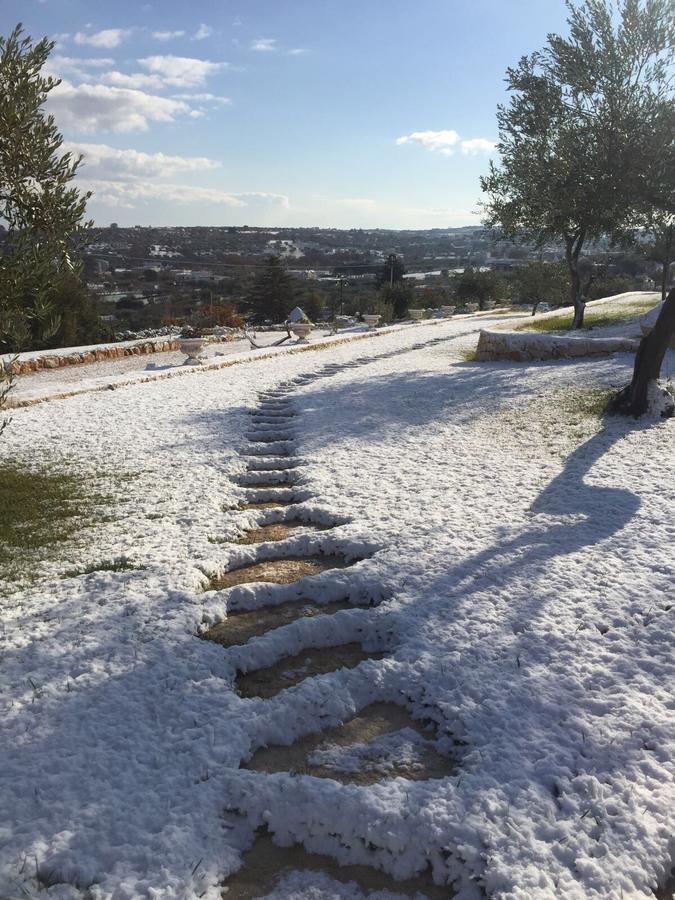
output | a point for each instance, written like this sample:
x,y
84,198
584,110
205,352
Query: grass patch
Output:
x,y
120,564
39,508
468,354
595,317
44,513
585,403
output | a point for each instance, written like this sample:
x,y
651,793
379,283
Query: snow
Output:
x,y
524,563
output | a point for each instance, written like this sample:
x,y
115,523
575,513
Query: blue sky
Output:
x,y
348,113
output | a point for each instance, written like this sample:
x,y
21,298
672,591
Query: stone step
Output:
x,y
291,670
380,742
270,463
279,531
268,478
278,571
273,437
266,504
285,448
265,865
241,625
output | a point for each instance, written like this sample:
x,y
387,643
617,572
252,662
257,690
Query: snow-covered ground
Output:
x,y
523,553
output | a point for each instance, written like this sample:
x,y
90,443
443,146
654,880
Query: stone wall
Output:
x,y
71,357
524,346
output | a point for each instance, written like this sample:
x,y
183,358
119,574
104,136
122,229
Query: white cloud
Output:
x,y
265,45
446,142
181,71
109,163
97,107
436,141
65,62
204,31
203,98
137,81
167,35
478,145
109,37
58,66
129,195
297,51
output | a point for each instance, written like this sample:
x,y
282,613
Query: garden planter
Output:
x,y
301,330
372,320
448,310
193,349
416,314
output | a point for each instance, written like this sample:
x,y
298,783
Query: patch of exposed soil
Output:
x,y
278,531
268,504
292,670
367,726
278,571
241,625
265,864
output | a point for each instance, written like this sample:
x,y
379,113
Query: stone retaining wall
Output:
x,y
524,346
53,360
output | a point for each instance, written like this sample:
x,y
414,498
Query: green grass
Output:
x,y
44,513
585,403
39,508
119,564
596,317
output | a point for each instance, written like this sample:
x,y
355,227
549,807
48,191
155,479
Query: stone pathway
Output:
x,y
381,741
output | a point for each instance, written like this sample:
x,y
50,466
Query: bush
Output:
x,y
475,286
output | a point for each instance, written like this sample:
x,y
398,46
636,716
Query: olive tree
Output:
x,y
40,207
587,122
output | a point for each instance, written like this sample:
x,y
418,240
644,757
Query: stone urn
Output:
x,y
301,330
193,349
472,307
448,310
489,304
416,314
372,320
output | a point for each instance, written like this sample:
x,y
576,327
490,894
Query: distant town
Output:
x,y
144,277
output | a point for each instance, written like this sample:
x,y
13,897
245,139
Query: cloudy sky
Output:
x,y
350,113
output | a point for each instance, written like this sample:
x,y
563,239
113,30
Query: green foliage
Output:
x,y
661,248
6,385
314,304
474,286
79,321
41,210
391,273
273,293
381,308
583,137
541,282
398,298
609,286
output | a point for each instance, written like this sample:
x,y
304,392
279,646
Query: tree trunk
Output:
x,y
577,301
632,400
572,250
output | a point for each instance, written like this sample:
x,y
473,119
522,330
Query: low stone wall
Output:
x,y
70,357
524,346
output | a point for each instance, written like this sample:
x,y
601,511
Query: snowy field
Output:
x,y
515,587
